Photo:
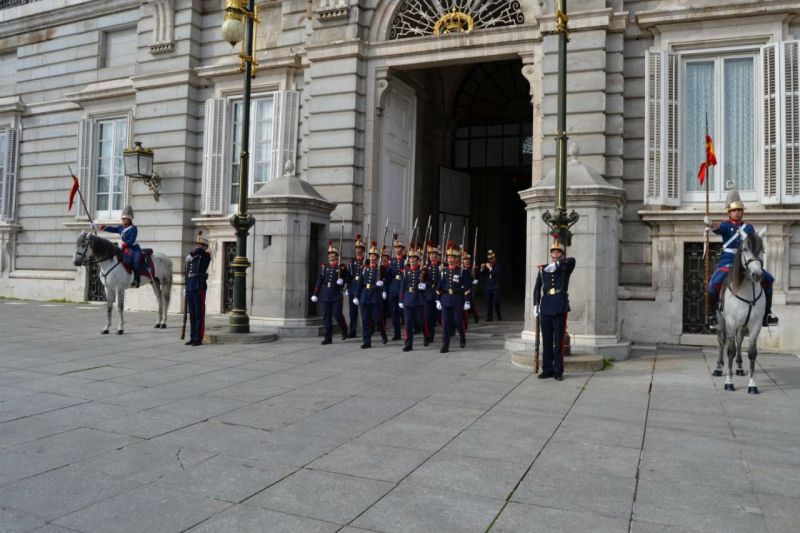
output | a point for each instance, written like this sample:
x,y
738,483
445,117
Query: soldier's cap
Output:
x,y
373,249
557,246
200,239
332,249
359,242
452,249
127,213
734,201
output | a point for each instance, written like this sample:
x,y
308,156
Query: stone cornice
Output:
x,y
755,216
45,14
12,104
52,106
104,89
166,79
601,19
648,19
230,67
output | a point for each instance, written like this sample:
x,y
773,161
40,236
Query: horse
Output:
x,y
742,310
115,280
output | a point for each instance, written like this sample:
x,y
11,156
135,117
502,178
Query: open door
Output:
x,y
454,205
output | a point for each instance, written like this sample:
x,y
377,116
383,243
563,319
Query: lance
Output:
x,y
83,202
705,244
383,248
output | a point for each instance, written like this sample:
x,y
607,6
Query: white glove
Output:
x,y
314,298
401,305
346,293
550,268
474,281
707,220
466,306
379,283
189,258
422,286
438,305
384,295
488,266
340,281
535,310
355,301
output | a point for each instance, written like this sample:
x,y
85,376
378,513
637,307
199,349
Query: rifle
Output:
x,y
183,303
341,259
538,338
414,229
426,257
475,251
383,248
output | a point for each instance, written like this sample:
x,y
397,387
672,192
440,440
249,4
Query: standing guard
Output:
x,y
368,295
452,290
197,263
472,270
491,271
412,296
396,267
355,266
729,231
551,304
131,250
434,274
330,283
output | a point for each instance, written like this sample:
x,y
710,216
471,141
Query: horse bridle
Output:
x,y
750,303
86,244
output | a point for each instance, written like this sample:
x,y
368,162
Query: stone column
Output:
x,y
592,323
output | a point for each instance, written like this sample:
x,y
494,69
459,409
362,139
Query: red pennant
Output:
x,y
72,192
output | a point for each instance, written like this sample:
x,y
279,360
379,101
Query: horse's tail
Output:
x,y
163,271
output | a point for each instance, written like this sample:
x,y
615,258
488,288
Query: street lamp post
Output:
x,y
240,22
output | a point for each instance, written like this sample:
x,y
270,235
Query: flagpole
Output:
x,y
708,250
83,202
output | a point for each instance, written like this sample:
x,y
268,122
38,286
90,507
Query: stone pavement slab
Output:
x,y
294,436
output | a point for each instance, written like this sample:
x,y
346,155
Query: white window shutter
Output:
x,y
285,125
790,121
213,161
85,141
770,116
9,179
661,119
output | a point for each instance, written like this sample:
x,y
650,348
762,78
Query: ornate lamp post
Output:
x,y
240,22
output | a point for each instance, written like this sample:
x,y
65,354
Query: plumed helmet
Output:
x,y
734,201
200,239
332,249
359,242
413,250
557,246
452,249
373,249
127,212
432,248
397,242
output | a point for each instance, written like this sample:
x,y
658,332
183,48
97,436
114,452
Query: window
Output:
x,y
112,137
274,122
119,48
748,100
8,173
492,146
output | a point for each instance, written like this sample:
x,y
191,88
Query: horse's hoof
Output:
x,y
163,326
120,332
717,373
157,326
104,332
739,372
752,390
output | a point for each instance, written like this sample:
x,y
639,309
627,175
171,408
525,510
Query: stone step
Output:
x,y
221,335
572,364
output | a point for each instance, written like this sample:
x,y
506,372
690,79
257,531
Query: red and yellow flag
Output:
x,y
711,160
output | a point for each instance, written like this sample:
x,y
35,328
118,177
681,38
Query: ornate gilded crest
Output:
x,y
415,18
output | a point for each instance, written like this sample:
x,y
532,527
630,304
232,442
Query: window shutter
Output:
x,y
285,124
661,168
213,161
9,179
770,115
85,140
790,121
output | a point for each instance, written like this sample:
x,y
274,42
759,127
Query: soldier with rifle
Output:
x,y
197,263
331,281
354,266
396,266
368,290
431,314
412,295
451,292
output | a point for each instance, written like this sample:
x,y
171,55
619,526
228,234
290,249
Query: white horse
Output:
x,y
743,308
116,279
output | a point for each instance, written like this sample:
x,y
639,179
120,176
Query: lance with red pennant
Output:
x,y
76,189
704,177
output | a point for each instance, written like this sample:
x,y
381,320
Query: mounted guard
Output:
x,y
131,251
730,231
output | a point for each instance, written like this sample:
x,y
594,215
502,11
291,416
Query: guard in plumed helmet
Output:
x,y
434,274
729,231
452,291
412,295
131,250
355,265
369,296
332,280
491,274
396,267
551,304
197,262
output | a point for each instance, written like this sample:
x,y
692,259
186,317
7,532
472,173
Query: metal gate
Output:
x,y
229,251
694,285
95,291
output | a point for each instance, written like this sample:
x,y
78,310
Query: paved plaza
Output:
x,y
140,433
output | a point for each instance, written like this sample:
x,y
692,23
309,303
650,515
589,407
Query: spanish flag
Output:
x,y
711,160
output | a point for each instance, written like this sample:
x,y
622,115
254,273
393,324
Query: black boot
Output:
x,y
711,319
769,319
136,280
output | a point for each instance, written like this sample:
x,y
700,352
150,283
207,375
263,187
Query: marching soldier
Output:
x,y
434,274
386,263
128,233
551,304
396,267
466,264
492,271
355,265
452,291
412,296
729,231
368,295
197,263
330,283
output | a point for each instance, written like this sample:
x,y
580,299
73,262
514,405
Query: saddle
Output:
x,y
146,266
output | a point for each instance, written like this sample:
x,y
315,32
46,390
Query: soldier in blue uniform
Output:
x,y
729,231
197,263
412,295
434,274
452,291
466,264
354,266
331,281
551,304
368,291
492,271
128,233
396,267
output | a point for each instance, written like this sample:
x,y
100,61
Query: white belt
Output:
x,y
729,250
